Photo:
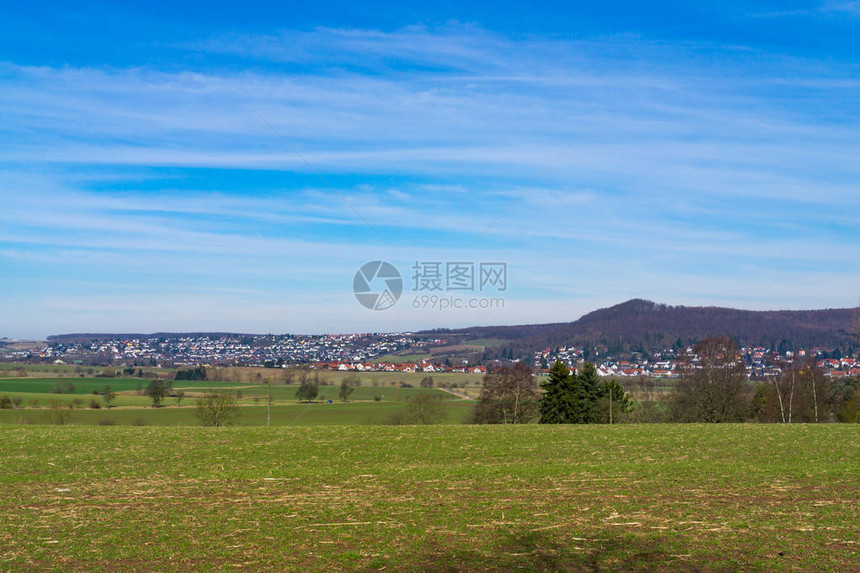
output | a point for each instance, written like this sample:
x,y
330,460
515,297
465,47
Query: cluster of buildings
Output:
x,y
224,350
422,366
658,365
841,367
377,353
760,362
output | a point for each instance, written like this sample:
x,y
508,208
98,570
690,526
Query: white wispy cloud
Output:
x,y
696,167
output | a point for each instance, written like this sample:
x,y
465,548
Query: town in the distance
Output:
x,y
387,352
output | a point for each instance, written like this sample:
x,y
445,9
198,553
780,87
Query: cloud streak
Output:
x,y
703,167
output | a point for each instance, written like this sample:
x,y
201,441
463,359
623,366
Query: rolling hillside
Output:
x,y
645,325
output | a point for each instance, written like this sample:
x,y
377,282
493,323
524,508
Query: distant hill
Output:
x,y
633,326
643,325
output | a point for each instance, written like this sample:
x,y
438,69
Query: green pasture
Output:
x,y
402,358
366,405
281,392
84,385
438,498
9,368
315,414
38,400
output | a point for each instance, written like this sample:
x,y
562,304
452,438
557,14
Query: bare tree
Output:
x,y
345,390
217,409
805,381
308,388
646,396
422,409
108,395
712,387
156,390
509,395
268,401
801,394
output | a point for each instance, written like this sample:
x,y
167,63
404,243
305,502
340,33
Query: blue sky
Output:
x,y
142,187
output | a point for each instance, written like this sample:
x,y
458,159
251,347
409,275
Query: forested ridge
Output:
x,y
642,325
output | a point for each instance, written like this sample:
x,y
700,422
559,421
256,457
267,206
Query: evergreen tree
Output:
x,y
588,393
577,398
558,403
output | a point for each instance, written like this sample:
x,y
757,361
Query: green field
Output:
x,y
9,368
367,404
439,498
85,385
316,414
403,358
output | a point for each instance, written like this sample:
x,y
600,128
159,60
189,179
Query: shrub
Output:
x,y
58,414
308,390
345,390
156,390
422,409
107,422
64,387
352,379
198,373
216,409
95,403
5,403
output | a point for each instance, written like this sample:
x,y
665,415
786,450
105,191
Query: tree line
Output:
x,y
712,388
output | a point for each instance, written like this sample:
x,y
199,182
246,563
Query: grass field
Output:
x,y
45,369
403,358
85,385
441,498
37,403
317,414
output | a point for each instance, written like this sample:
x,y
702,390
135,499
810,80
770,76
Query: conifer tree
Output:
x,y
558,403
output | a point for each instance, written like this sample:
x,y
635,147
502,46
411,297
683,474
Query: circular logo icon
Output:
x,y
377,285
